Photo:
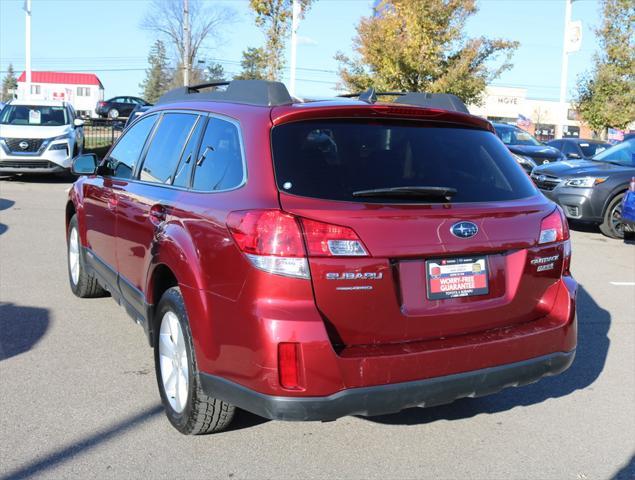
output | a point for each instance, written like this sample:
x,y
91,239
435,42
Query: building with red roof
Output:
x,y
82,90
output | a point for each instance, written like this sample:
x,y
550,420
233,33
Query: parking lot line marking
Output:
x,y
623,284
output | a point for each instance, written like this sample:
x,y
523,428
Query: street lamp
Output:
x,y
571,43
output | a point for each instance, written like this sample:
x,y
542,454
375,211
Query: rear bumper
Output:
x,y
386,399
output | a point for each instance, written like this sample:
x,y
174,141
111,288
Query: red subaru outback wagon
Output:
x,y
307,260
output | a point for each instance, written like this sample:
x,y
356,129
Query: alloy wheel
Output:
x,y
173,361
73,255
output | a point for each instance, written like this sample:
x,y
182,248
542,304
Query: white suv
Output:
x,y
39,136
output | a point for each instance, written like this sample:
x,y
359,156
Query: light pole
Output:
x,y
562,107
27,9
294,43
186,47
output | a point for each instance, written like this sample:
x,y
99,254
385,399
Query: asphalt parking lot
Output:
x,y
78,396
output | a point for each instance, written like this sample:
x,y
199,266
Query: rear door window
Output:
x,y
332,159
219,165
125,155
167,145
188,158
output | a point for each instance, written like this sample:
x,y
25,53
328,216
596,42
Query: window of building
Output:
x,y
83,91
165,150
220,164
36,89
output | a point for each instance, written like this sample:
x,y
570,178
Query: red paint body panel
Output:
x,y
392,333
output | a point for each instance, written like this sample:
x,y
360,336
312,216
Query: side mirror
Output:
x,y
78,123
85,164
573,155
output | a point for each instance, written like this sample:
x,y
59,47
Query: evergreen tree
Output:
x,y
10,82
254,65
158,76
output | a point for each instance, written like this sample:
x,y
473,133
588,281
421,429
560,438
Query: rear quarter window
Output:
x,y
332,159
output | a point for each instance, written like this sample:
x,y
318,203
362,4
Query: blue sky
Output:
x,y
104,37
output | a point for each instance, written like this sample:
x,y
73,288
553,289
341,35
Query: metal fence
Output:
x,y
101,133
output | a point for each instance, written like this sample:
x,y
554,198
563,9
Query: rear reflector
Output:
x,y
554,228
326,240
288,367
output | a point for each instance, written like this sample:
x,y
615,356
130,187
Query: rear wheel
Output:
x,y
612,225
83,284
190,410
113,113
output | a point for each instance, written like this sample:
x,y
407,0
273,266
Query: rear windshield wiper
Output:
x,y
409,192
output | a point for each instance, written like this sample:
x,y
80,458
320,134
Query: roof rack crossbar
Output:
x,y
250,92
442,101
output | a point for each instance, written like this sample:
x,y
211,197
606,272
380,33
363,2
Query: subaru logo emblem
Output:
x,y
464,229
23,145
541,178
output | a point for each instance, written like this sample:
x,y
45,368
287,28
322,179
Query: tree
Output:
x,y
606,95
10,82
158,76
253,64
274,17
214,72
419,45
165,17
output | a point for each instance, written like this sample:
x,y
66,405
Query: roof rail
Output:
x,y
442,101
250,92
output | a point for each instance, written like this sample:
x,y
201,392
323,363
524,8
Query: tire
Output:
x,y
612,225
113,113
83,284
190,410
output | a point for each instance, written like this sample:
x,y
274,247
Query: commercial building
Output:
x,y
82,90
539,117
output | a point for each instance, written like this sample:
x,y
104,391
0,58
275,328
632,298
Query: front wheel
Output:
x,y
190,410
83,284
612,225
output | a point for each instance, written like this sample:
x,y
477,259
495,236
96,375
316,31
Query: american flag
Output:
x,y
523,121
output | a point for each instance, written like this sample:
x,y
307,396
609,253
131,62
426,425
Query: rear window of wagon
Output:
x,y
331,159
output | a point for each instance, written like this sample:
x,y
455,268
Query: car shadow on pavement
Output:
x,y
20,328
627,472
5,204
593,346
81,446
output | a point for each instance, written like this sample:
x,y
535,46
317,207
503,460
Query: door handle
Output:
x,y
158,214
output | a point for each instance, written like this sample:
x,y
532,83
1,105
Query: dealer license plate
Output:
x,y
456,277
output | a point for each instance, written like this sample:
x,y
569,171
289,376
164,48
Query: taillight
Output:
x,y
554,228
288,365
326,240
271,240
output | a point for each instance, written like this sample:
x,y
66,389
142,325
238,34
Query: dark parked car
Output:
x,y
591,190
529,152
137,112
119,106
307,261
578,148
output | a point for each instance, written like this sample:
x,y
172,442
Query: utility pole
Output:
x,y
187,47
27,9
562,107
294,43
